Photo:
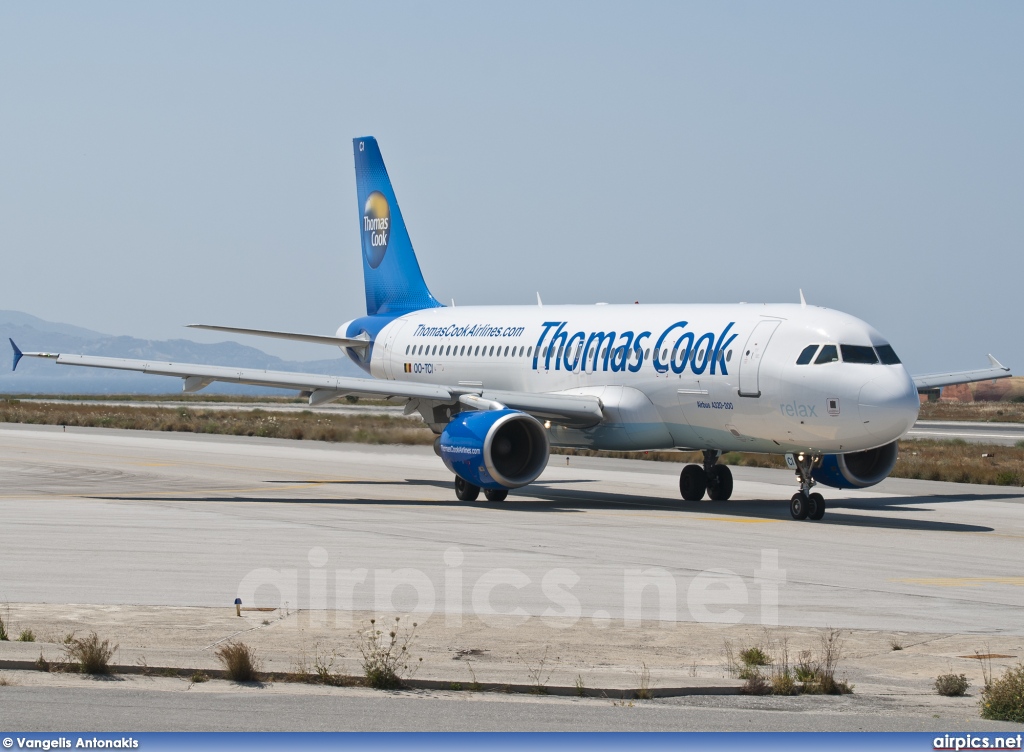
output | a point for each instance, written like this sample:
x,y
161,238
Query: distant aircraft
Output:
x,y
500,385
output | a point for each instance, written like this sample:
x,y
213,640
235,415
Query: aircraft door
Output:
x,y
750,362
390,358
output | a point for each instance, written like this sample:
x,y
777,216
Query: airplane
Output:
x,y
501,385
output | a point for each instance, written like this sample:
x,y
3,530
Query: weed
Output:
x,y
540,673
805,669
731,664
581,691
240,661
5,682
170,673
199,677
643,680
1002,699
386,657
455,686
42,664
986,666
756,685
895,643
266,622
1020,444
783,683
755,656
474,686
92,655
952,685
27,635
3,627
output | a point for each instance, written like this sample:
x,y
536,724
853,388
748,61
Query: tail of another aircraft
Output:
x,y
391,273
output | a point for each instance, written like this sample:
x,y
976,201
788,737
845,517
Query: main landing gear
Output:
x,y
466,491
805,505
711,478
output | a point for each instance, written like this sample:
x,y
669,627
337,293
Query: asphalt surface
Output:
x,y
260,708
1005,434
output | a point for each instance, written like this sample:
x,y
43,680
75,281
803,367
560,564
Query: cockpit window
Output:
x,y
858,354
807,355
887,355
828,354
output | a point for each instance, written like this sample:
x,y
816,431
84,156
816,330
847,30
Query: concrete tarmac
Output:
x,y
116,517
97,516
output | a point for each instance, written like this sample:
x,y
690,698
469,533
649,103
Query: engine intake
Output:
x,y
858,469
495,448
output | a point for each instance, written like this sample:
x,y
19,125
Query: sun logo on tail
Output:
x,y
376,228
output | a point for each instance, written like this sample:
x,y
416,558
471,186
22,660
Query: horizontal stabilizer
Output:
x,y
317,339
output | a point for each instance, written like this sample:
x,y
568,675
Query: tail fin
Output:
x,y
391,273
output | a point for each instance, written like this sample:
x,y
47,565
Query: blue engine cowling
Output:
x,y
495,448
857,469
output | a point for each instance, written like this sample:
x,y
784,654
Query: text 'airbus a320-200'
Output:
x,y
500,385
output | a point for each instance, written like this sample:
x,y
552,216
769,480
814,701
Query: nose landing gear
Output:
x,y
713,479
806,505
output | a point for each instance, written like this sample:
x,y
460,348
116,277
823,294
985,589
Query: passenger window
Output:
x,y
887,355
828,354
807,355
728,356
529,353
491,353
664,354
647,353
858,354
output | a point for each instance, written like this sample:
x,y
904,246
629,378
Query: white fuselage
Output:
x,y
696,376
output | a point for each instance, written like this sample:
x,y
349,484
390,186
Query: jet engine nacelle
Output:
x,y
858,469
495,448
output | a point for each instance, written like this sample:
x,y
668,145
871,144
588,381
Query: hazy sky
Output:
x,y
164,164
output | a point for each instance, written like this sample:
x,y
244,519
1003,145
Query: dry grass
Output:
x,y
986,412
960,462
240,661
90,653
952,685
366,429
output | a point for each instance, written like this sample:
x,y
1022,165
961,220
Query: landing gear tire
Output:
x,y
693,482
465,491
798,506
496,494
719,483
815,506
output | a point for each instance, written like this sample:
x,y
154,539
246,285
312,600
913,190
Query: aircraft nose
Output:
x,y
889,405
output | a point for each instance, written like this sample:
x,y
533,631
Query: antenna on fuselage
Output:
x,y
803,303
540,303
453,302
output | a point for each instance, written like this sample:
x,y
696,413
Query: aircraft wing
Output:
x,y
579,410
936,380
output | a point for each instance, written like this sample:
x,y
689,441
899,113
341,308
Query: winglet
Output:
x,y
18,354
995,363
